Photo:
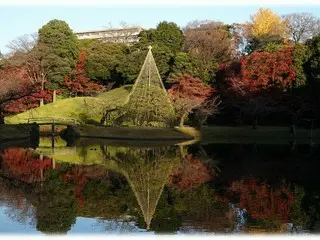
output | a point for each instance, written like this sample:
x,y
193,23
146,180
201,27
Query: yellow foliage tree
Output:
x,y
267,23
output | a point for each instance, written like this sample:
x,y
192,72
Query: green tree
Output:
x,y
313,64
183,63
166,41
130,67
300,57
312,67
264,43
167,34
103,59
59,46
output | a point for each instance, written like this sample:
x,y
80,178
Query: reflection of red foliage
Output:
x,y
23,165
80,175
263,202
190,175
80,180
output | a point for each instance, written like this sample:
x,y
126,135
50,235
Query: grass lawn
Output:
x,y
83,109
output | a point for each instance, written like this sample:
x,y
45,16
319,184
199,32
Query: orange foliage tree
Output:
x,y
255,83
77,82
187,94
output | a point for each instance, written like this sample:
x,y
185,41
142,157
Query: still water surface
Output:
x,y
119,188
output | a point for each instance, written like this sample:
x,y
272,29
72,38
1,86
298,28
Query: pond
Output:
x,y
113,187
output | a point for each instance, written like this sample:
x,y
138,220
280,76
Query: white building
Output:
x,y
125,35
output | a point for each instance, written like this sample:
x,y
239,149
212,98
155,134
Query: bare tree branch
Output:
x,y
302,26
208,41
24,43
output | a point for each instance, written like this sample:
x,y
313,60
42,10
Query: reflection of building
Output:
x,y
125,35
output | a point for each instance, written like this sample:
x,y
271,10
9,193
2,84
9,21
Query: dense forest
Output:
x,y
264,71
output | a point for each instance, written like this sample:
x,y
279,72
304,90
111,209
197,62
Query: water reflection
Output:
x,y
159,187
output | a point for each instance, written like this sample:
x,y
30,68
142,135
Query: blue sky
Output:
x,y
19,20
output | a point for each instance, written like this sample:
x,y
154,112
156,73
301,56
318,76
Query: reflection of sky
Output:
x,y
93,225
8,225
82,225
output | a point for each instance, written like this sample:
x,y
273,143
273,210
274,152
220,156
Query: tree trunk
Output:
x,y
239,120
255,121
1,117
293,126
42,89
103,119
182,119
54,96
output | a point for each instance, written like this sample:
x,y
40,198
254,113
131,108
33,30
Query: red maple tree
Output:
x,y
188,93
255,83
77,82
29,101
13,86
18,93
261,70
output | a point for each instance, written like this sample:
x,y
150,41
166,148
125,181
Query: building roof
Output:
x,y
112,30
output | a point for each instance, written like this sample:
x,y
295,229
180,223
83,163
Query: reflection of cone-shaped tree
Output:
x,y
147,171
148,102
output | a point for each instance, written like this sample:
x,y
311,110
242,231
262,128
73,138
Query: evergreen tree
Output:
x,y
59,46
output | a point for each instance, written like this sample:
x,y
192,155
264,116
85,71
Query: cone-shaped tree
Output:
x,y
148,102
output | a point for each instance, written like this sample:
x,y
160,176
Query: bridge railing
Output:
x,y
51,120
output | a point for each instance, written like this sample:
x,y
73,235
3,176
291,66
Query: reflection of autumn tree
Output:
x,y
23,165
263,202
146,171
80,175
191,173
80,181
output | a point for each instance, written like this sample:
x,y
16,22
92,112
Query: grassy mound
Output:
x,y
83,109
